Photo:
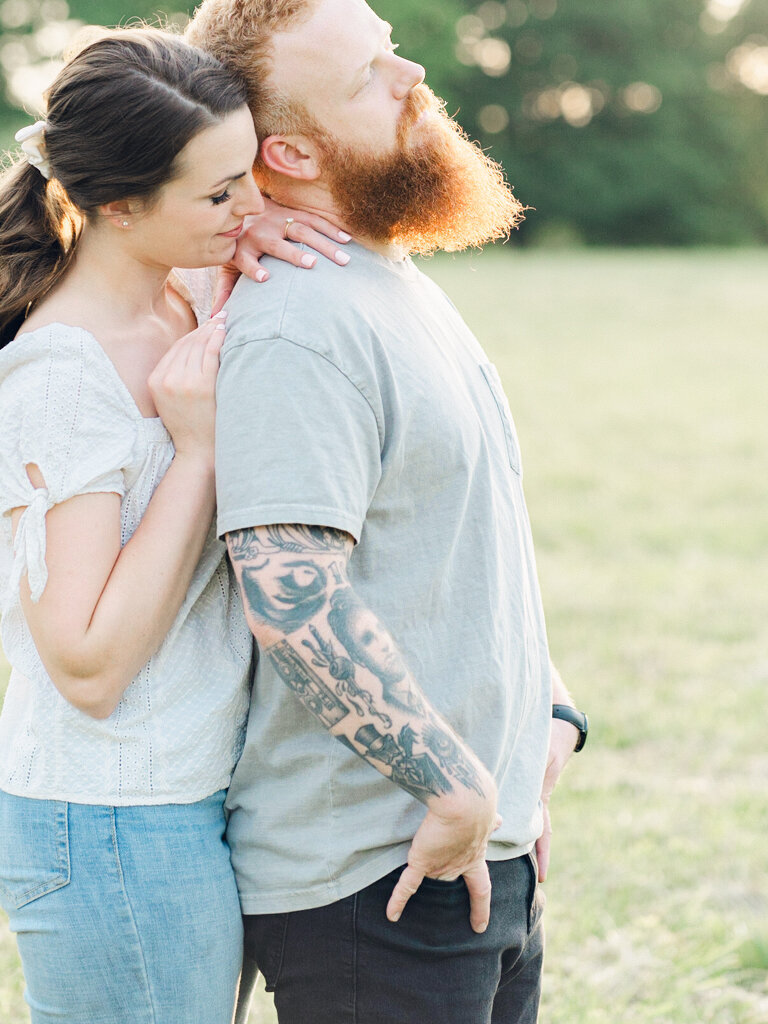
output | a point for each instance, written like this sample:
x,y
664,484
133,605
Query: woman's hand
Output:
x,y
264,235
183,386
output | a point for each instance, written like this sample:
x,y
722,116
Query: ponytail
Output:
x,y
39,227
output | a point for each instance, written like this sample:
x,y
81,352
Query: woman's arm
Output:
x,y
106,610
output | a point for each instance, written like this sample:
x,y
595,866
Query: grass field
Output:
x,y
638,383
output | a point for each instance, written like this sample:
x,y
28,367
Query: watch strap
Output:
x,y
575,718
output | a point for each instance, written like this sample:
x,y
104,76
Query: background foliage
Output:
x,y
619,121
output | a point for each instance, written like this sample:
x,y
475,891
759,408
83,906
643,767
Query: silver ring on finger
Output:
x,y
288,222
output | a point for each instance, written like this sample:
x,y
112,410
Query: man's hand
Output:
x,y
562,743
264,234
446,847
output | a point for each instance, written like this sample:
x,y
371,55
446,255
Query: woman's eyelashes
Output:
x,y
222,197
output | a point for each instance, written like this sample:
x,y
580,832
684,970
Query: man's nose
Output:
x,y
409,75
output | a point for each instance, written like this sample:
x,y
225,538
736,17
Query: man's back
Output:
x,y
358,400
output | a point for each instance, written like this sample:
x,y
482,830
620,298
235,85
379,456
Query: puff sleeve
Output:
x,y
60,411
197,286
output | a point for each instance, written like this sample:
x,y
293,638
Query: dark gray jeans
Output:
x,y
346,964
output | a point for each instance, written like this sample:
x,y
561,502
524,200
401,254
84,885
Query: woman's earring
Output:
x,y
125,223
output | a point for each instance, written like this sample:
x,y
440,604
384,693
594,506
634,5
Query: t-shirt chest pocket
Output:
x,y
493,381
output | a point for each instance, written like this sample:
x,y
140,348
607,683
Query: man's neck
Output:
x,y
315,198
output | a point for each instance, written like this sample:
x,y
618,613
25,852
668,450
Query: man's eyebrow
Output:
x,y
230,177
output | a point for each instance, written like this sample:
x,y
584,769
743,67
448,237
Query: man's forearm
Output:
x,y
343,665
560,694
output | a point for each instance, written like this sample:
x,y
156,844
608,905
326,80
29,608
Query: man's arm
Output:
x,y
343,665
562,744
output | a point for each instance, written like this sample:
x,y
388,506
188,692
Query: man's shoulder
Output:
x,y
368,281
328,308
366,318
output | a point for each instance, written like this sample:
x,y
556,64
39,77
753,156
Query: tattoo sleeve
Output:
x,y
338,659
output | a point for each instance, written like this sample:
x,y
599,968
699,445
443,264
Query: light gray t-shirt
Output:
x,y
358,399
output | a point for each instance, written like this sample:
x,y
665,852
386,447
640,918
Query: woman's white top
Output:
x,y
178,730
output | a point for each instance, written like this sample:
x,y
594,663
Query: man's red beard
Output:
x,y
438,190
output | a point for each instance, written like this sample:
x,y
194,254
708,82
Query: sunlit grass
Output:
x,y
638,382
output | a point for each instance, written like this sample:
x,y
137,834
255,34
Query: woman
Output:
x,y
127,703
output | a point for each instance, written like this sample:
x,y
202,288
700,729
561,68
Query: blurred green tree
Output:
x,y
620,122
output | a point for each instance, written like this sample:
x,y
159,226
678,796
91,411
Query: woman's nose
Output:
x,y
252,199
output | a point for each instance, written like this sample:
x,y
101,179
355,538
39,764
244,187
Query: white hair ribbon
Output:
x,y
32,140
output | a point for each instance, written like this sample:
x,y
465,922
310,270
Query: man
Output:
x,y
368,472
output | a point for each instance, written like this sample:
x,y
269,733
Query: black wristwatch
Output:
x,y
577,718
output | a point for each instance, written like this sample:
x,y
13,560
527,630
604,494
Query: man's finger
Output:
x,y
478,882
543,847
407,884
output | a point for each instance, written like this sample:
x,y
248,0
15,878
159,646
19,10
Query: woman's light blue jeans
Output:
x,y
123,915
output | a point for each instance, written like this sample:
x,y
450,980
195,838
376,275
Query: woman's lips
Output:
x,y
233,233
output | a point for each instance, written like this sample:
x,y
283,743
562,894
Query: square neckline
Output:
x,y
181,289
109,366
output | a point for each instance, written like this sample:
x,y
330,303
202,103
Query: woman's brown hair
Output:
x,y
118,115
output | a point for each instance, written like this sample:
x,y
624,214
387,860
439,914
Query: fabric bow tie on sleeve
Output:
x,y
29,545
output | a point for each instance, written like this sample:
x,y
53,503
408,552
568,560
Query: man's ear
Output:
x,y
294,156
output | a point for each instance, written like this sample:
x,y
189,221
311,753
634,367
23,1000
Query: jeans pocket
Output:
x,y
457,887
34,849
493,380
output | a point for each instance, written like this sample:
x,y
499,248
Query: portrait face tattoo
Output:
x,y
366,640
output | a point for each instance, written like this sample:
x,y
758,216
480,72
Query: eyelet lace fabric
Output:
x,y
178,730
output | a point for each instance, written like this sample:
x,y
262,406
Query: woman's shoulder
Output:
x,y
60,366
36,340
51,351
61,410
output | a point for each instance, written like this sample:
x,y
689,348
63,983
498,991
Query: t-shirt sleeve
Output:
x,y
296,440
55,414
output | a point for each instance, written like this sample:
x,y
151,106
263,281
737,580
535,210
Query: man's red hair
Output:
x,y
239,33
